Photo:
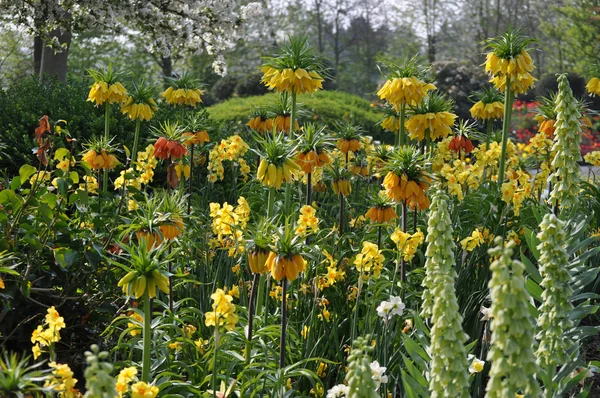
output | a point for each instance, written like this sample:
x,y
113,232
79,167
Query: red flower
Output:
x,y
459,142
165,149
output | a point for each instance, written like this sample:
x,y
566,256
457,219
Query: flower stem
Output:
x,y
251,308
402,133
106,132
308,188
135,141
214,369
147,341
293,114
189,209
342,204
508,101
283,323
403,263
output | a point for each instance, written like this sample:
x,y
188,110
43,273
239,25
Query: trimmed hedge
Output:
x,y
326,107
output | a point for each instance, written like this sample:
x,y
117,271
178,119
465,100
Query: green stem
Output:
x,y
106,132
214,369
270,202
283,323
189,209
147,341
293,115
508,101
251,309
402,133
136,140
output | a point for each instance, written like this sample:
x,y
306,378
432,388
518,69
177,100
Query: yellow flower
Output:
x,y
438,124
53,319
391,123
593,86
298,81
101,92
404,90
139,111
182,170
136,328
37,351
516,68
407,243
471,242
143,390
304,332
370,258
182,96
493,110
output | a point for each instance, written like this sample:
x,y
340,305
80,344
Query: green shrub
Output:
x,y
249,84
326,107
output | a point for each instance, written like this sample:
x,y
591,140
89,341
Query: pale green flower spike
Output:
x,y
440,248
511,354
449,368
565,177
98,375
553,320
360,382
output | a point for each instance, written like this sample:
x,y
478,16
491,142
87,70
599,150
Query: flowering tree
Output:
x,y
195,25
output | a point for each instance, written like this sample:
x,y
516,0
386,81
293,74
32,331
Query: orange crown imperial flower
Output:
x,y
285,266
102,160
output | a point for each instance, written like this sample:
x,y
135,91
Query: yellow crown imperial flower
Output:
x,y
184,90
106,88
404,90
295,70
139,111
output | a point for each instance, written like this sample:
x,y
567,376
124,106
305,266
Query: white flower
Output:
x,y
476,366
377,372
485,312
387,309
338,391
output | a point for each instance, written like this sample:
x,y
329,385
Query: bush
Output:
x,y
249,84
548,84
326,107
224,87
459,81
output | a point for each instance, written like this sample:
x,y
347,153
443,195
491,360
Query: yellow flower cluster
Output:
x,y
404,90
334,274
135,325
272,175
490,158
182,96
406,243
459,176
231,149
139,111
62,381
228,224
126,376
40,177
516,189
516,69
369,259
400,189
143,390
298,81
101,92
471,242
308,223
593,158
127,175
593,86
493,110
391,123
437,124
48,333
89,184
223,312
145,164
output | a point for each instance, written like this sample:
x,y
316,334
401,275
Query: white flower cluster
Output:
x,y
378,376
387,309
176,25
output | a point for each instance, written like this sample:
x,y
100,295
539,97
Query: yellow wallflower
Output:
x,y
407,243
369,259
143,390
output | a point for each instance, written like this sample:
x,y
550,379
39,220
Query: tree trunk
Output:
x,y
431,49
38,47
54,64
167,69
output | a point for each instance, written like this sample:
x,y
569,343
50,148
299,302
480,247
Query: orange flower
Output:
x,y
288,267
308,161
282,123
342,187
152,239
257,260
165,149
459,143
401,189
173,229
346,146
199,137
381,214
261,125
100,160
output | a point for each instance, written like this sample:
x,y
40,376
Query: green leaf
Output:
x,y
74,177
61,153
532,270
534,289
50,199
26,171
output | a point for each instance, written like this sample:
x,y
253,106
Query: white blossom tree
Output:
x,y
169,25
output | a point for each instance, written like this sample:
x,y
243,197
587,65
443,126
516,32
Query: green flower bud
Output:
x,y
448,370
360,381
553,320
565,178
511,354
